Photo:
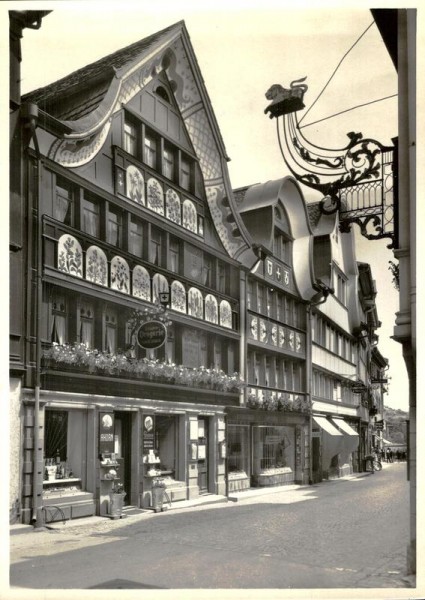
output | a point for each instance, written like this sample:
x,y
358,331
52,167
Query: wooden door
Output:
x,y
203,455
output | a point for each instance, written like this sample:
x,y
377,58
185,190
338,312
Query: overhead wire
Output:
x,y
336,69
348,110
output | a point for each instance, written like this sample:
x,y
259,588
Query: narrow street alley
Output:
x,y
348,533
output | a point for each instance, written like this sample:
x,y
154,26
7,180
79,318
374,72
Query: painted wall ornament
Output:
x,y
225,314
173,206
178,296
120,275
155,196
135,185
96,266
70,256
195,303
141,283
211,309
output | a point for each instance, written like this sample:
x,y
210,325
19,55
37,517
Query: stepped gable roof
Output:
x,y
96,76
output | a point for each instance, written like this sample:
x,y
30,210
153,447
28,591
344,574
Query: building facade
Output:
x,y
162,324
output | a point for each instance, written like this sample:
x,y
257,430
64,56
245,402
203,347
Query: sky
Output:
x,y
242,49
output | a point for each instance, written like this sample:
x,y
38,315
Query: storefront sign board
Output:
x,y
151,335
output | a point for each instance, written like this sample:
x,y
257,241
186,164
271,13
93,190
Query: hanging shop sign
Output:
x,y
148,433
151,335
106,432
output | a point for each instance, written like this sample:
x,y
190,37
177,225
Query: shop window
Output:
x,y
168,163
238,448
87,324
58,315
155,246
135,239
114,228
90,217
63,201
274,448
166,443
150,150
110,331
130,138
56,435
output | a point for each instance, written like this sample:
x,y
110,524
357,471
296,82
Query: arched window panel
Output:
x,y
173,207
225,314
155,196
189,216
159,284
141,283
96,266
195,303
178,297
70,256
120,275
135,185
211,309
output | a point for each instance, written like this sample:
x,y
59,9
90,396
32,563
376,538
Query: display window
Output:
x,y
273,449
238,449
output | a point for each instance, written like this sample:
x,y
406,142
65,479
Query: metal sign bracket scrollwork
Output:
x,y
356,181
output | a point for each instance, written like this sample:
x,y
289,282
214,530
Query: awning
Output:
x,y
345,427
327,426
332,442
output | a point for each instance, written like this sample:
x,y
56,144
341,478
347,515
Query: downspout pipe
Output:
x,y
29,114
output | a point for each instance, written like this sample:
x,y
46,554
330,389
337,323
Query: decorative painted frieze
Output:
x,y
141,283
135,185
120,275
96,266
70,256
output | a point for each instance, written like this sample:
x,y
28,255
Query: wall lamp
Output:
x,y
322,292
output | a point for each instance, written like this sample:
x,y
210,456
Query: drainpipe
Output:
x,y
309,375
29,114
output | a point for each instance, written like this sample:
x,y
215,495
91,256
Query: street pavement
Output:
x,y
349,533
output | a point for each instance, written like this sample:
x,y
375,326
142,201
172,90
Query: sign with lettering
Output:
x,y
151,335
148,433
106,432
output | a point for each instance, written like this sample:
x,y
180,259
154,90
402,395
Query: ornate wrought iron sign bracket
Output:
x,y
356,180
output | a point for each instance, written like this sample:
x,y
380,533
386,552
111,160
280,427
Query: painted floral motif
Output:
x,y
297,342
70,256
254,328
155,196
274,335
189,216
96,266
120,275
211,309
263,331
159,284
195,303
291,340
281,337
225,314
173,206
178,297
135,185
141,283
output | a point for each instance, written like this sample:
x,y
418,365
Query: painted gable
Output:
x,y
170,54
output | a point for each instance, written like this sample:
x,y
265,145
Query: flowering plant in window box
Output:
x,y
78,356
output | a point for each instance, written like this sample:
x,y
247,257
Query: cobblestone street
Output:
x,y
349,533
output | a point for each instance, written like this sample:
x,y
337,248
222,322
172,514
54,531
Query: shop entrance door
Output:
x,y
122,449
203,455
317,460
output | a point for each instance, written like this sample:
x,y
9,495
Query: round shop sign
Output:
x,y
151,335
